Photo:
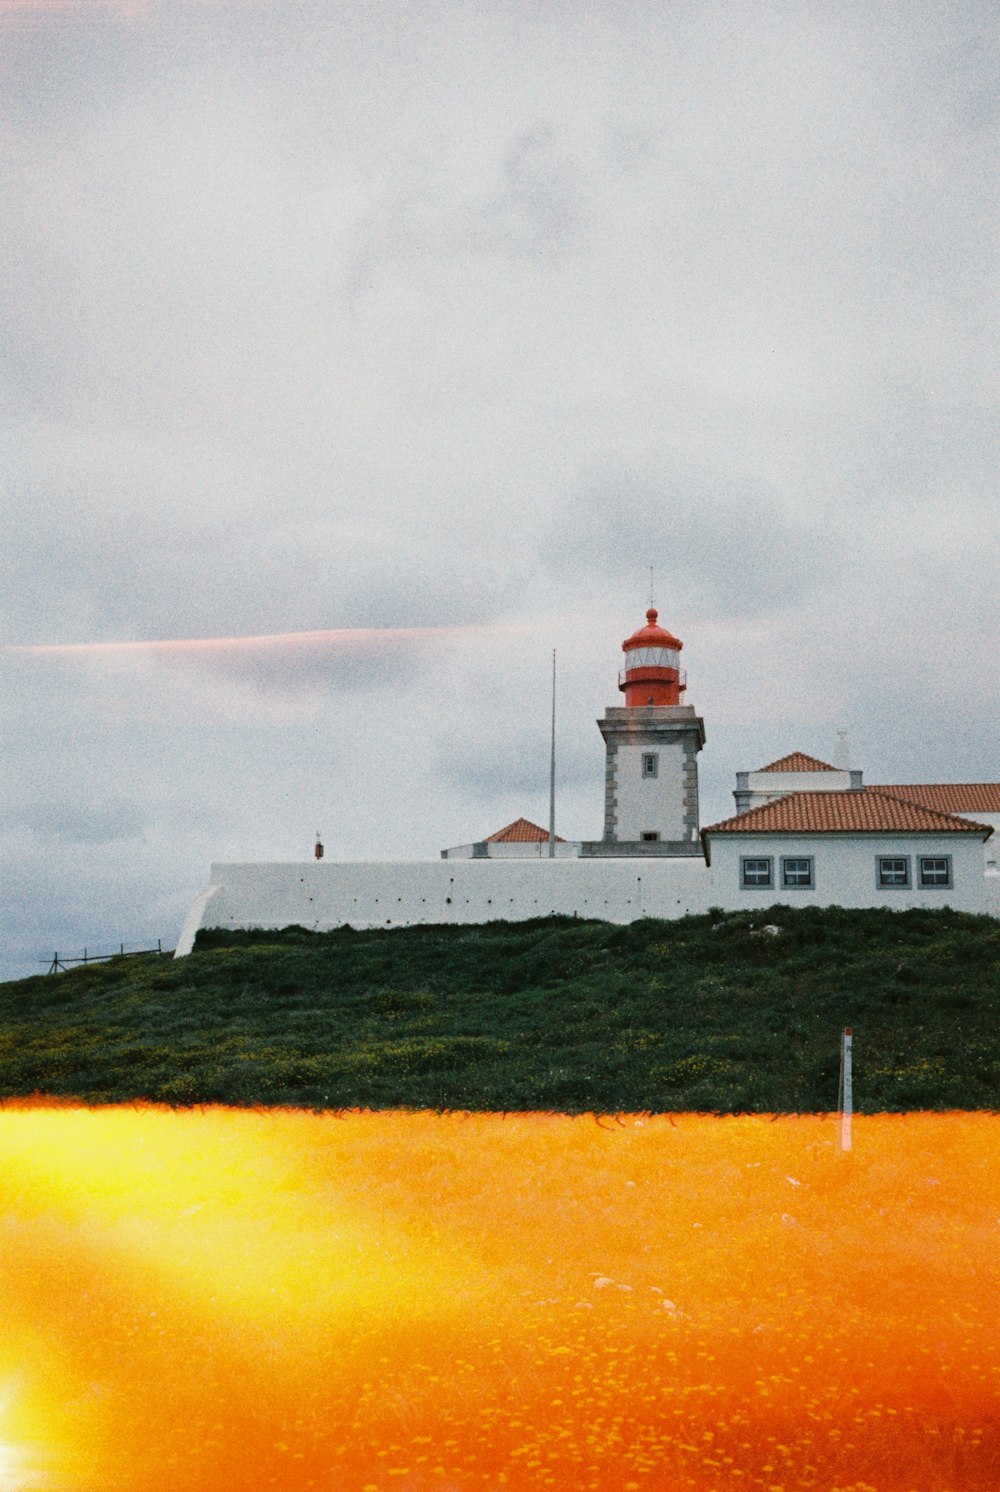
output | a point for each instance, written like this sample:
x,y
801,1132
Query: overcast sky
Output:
x,y
454,317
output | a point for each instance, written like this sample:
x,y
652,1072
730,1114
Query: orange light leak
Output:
x,y
237,1300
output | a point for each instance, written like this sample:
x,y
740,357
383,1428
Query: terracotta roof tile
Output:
x,y
797,761
947,797
521,831
868,812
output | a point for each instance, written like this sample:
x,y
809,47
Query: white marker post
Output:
x,y
552,768
845,1101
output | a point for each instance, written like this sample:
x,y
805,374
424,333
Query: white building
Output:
x,y
517,841
853,848
651,767
805,833
651,746
795,773
978,801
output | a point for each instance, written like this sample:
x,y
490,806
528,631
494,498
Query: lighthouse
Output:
x,y
652,744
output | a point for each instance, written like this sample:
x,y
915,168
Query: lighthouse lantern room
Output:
x,y
652,674
652,745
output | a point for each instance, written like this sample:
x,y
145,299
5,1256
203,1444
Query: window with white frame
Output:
x,y
893,870
650,764
756,872
797,872
935,870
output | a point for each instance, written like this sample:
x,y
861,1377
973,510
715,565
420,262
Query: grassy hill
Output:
x,y
711,1013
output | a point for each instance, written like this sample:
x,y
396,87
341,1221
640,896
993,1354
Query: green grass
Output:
x,y
707,1013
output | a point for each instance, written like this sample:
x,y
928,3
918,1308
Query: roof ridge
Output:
x,y
947,797
782,763
512,833
877,792
883,786
826,812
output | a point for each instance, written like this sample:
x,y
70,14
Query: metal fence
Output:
x,y
60,962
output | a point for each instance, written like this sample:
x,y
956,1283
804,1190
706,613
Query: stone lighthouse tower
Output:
x,y
652,741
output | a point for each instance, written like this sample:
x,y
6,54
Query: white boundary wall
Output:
x,y
402,893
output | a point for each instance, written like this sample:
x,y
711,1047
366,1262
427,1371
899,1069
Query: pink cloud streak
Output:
x,y
343,636
35,12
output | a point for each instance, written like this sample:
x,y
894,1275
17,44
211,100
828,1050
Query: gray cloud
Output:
x,y
100,822
377,315
730,548
534,210
512,765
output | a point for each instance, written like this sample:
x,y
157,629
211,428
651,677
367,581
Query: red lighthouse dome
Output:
x,y
652,674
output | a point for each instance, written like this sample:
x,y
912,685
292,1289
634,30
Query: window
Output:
x,y
650,764
756,872
653,658
935,870
649,835
797,872
894,870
